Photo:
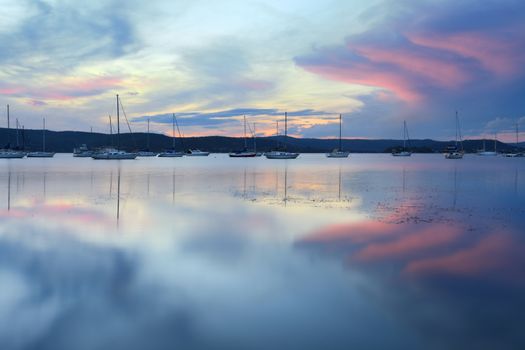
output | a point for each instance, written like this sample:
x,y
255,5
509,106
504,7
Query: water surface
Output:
x,y
369,252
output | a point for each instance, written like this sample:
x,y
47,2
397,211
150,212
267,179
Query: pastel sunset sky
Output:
x,y
211,62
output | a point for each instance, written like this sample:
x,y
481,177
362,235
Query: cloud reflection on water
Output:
x,y
211,256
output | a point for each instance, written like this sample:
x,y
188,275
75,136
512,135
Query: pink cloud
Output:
x,y
67,89
365,74
36,103
499,55
440,72
253,84
416,65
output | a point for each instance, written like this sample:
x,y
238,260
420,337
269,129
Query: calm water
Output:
x,y
369,252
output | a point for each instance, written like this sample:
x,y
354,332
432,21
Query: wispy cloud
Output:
x,y
438,52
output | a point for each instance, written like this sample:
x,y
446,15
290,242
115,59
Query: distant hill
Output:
x,y
65,141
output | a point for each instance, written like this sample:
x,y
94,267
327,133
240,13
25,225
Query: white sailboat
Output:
x,y
338,152
282,154
43,153
245,153
82,152
172,152
453,152
115,153
516,152
403,152
8,153
484,153
196,153
146,152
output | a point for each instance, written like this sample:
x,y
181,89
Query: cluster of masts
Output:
x,y
454,151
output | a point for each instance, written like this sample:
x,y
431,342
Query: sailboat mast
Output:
x,y
285,125
173,131
340,126
110,131
8,129
17,143
517,140
245,144
457,127
118,124
254,139
147,139
277,132
404,133
43,134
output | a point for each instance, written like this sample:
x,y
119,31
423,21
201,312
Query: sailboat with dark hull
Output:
x,y
516,152
171,153
282,154
484,153
146,152
338,152
7,152
403,152
43,153
244,153
455,152
115,153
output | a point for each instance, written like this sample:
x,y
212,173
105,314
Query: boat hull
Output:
x,y
487,154
338,154
454,155
281,155
41,155
402,154
243,155
146,154
196,153
83,155
121,156
171,154
12,155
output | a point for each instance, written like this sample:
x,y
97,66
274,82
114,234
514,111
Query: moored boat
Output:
x,y
403,152
244,153
8,153
282,154
338,152
82,151
114,153
43,153
453,152
196,153
484,153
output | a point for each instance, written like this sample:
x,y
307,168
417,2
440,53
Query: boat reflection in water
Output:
x,y
217,253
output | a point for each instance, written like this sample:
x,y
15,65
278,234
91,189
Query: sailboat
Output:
x,y
82,151
115,153
483,152
43,153
338,152
245,153
452,152
146,152
8,153
254,133
172,152
277,154
403,152
516,152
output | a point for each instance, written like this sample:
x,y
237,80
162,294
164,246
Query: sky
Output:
x,y
375,62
